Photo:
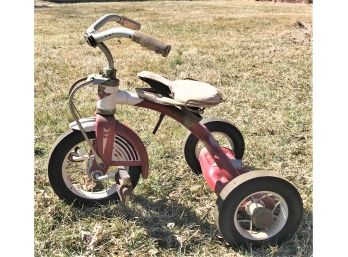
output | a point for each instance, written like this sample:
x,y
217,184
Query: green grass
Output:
x,y
251,51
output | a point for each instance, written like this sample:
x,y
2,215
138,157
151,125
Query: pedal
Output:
x,y
123,185
122,177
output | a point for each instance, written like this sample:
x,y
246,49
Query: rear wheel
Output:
x,y
69,176
224,132
258,208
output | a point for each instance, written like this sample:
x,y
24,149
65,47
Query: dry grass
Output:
x,y
252,51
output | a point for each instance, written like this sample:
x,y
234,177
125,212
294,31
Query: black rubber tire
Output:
x,y
213,125
55,171
233,194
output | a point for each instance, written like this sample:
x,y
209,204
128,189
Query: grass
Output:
x,y
254,52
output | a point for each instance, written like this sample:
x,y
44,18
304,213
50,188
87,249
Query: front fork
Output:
x,y
105,129
104,141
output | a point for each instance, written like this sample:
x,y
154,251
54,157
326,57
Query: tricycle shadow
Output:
x,y
171,225
168,223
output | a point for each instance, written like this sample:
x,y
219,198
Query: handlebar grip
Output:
x,y
128,23
151,43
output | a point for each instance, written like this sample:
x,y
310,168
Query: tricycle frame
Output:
x,y
111,96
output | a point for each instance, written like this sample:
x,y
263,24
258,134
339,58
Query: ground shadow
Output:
x,y
157,217
158,214
163,213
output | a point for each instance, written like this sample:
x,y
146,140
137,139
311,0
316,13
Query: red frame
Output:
x,y
106,124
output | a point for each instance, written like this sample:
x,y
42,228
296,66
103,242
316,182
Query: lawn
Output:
x,y
255,52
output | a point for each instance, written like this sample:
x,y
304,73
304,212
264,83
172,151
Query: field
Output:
x,y
257,53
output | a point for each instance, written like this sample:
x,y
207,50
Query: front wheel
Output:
x,y
258,208
68,171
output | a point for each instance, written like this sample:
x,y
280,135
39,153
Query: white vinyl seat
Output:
x,y
181,92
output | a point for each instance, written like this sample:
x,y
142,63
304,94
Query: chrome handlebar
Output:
x,y
124,21
94,39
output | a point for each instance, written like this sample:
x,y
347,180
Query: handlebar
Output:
x,y
144,40
124,21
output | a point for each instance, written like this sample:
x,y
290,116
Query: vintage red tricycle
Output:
x,y
99,159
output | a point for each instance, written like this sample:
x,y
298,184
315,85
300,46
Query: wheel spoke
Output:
x,y
282,211
84,143
275,206
264,195
244,220
253,199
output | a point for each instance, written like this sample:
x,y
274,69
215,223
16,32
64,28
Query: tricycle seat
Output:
x,y
185,92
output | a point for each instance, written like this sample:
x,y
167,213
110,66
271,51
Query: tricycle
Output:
x,y
99,159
